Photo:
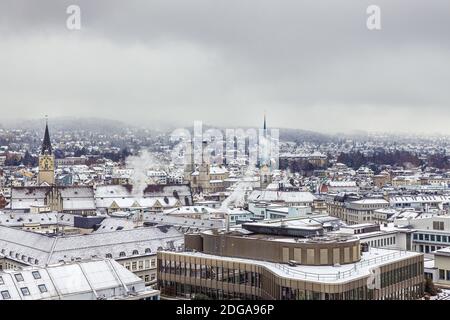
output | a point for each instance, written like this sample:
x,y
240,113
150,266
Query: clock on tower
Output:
x,y
46,161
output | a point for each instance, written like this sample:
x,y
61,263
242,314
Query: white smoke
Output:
x,y
237,197
267,149
139,166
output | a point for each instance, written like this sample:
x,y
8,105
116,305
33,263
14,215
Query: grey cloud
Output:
x,y
310,64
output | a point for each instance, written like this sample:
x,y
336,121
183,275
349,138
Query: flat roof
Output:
x,y
374,258
443,252
360,225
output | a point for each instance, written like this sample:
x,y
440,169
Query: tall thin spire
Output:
x,y
46,144
265,126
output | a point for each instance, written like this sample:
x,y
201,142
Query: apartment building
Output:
x,y
362,211
355,210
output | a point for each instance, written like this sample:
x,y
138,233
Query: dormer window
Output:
x,y
19,277
25,291
42,288
6,295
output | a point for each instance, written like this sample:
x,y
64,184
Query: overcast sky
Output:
x,y
310,64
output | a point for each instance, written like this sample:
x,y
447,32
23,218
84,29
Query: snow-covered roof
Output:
x,y
420,199
76,280
342,183
286,196
217,170
184,222
33,248
371,201
115,191
21,219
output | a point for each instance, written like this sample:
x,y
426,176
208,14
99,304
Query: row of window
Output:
x,y
20,257
400,274
431,237
422,205
361,293
24,290
382,242
8,266
19,277
147,278
171,288
36,261
134,253
201,271
427,249
444,274
139,265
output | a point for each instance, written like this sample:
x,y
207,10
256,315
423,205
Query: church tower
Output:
x,y
265,172
46,174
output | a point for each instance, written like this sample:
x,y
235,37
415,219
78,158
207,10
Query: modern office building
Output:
x,y
283,261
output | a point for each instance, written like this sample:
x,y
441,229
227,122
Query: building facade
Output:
x,y
255,266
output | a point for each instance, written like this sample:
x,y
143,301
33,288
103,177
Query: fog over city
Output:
x,y
310,65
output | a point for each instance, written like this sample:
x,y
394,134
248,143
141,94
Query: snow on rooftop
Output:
x,y
82,280
374,258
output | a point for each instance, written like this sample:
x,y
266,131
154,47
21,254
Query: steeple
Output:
x,y
265,126
46,144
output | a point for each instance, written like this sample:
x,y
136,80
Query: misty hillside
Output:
x,y
69,124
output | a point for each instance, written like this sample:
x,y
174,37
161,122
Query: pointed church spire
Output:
x,y
46,144
265,127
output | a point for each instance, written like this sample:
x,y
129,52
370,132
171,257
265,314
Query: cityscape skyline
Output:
x,y
236,151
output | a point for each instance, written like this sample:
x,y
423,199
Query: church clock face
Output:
x,y
46,163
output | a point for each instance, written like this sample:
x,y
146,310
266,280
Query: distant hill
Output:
x,y
108,126
69,124
299,136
